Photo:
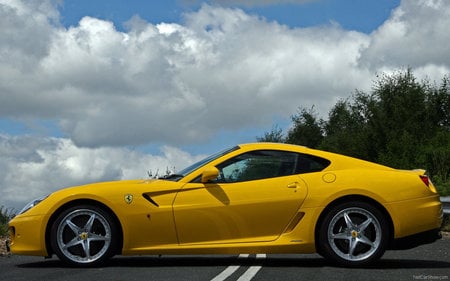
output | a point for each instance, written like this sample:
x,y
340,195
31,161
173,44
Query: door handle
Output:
x,y
293,185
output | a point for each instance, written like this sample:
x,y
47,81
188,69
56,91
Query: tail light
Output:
x,y
425,179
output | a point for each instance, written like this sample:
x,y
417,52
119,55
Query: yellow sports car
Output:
x,y
253,198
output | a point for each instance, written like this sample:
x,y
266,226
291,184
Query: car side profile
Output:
x,y
252,198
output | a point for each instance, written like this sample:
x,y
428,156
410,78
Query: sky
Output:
x,y
108,90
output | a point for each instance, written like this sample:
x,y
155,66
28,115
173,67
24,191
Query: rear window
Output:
x,y
310,164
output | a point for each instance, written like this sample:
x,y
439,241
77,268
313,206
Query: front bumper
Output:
x,y
27,234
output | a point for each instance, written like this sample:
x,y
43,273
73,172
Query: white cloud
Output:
x,y
414,36
177,84
32,166
26,29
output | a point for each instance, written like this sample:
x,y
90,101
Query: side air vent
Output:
x,y
149,199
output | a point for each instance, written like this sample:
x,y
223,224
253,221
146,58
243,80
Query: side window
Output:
x,y
310,164
263,164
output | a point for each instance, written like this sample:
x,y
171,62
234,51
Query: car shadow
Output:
x,y
271,261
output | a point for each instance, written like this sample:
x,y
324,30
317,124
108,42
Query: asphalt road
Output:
x,y
428,262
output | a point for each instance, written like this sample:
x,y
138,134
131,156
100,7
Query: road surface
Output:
x,y
427,262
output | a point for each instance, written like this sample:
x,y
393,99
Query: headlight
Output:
x,y
32,204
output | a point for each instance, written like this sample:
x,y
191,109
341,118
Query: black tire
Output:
x,y
353,234
84,236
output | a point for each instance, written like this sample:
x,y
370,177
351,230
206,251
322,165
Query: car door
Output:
x,y
254,198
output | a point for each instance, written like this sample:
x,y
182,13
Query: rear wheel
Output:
x,y
84,236
353,234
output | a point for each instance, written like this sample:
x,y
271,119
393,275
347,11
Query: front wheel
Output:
x,y
353,234
84,236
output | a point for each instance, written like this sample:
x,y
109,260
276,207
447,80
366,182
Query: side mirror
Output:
x,y
210,173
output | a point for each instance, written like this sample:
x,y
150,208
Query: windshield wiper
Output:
x,y
173,177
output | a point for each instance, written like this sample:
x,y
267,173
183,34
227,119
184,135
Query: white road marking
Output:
x,y
229,270
248,274
226,273
251,272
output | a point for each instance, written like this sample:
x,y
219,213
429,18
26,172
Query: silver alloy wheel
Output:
x,y
354,234
83,236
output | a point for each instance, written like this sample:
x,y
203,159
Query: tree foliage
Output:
x,y
306,130
402,123
5,216
275,135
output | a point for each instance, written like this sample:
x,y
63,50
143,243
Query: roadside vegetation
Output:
x,y
401,123
5,216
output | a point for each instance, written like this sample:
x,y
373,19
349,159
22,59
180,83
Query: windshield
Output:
x,y
195,166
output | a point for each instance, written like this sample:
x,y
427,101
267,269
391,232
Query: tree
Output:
x,y
307,129
275,135
437,155
346,129
438,101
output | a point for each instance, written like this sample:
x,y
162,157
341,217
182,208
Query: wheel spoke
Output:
x,y
76,230
365,224
363,239
89,223
75,241
340,235
348,221
352,247
97,237
87,248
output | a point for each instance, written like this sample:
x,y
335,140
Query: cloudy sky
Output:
x,y
107,90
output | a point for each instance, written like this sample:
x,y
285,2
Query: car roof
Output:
x,y
275,145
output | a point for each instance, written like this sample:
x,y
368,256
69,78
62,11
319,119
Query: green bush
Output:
x,y
5,216
442,186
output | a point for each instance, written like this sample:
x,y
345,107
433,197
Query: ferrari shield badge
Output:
x,y
128,198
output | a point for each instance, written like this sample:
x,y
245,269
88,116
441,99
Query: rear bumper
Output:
x,y
415,240
416,216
